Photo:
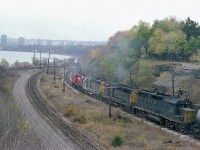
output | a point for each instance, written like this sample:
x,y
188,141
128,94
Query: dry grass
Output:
x,y
192,92
91,118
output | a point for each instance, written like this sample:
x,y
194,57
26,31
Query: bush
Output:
x,y
70,110
80,119
117,141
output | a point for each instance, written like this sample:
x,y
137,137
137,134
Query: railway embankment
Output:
x,y
90,116
71,133
15,130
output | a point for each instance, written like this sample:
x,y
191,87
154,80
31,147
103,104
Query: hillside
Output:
x,y
90,117
145,56
186,79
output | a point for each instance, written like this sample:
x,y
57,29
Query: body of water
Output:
x,y
13,56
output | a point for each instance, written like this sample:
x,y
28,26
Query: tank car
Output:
x,y
196,128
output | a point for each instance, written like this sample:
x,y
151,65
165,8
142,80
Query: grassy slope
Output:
x,y
91,118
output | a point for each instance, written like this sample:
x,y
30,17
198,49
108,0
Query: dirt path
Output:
x,y
49,138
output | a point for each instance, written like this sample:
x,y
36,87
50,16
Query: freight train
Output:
x,y
171,111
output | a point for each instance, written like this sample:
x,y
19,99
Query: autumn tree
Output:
x,y
171,45
166,25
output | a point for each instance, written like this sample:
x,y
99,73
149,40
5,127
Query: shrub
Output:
x,y
70,110
80,119
117,141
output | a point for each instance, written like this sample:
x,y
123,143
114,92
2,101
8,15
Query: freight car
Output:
x,y
173,112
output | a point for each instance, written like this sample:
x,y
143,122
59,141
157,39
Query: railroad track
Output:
x,y
65,127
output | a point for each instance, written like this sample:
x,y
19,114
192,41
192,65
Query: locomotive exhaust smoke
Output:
x,y
120,73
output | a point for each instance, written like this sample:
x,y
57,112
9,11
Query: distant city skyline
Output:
x,y
88,20
21,41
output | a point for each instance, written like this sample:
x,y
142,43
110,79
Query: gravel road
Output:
x,y
50,138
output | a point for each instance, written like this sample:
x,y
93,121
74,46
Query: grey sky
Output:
x,y
86,19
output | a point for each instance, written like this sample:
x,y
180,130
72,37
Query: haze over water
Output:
x,y
13,56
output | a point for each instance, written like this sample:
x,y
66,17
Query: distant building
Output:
x,y
21,41
39,42
61,43
3,40
49,42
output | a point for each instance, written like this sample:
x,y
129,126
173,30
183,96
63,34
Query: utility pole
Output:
x,y
131,81
34,58
64,80
109,91
172,83
92,71
160,124
80,67
54,66
48,63
48,66
45,69
40,58
49,54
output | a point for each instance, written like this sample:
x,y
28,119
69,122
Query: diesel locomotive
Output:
x,y
171,111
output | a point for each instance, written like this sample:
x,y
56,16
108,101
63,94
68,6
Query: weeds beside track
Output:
x,y
65,127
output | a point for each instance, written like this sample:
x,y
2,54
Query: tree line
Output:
x,y
167,39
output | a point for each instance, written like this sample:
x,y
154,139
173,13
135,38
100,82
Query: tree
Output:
x,y
36,61
194,45
191,28
144,76
16,63
139,36
4,63
170,45
156,45
105,66
167,24
94,53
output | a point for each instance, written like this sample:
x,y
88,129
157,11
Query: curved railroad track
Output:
x,y
65,127
49,136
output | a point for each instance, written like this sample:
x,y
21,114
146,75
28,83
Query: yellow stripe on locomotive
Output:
x,y
102,87
133,97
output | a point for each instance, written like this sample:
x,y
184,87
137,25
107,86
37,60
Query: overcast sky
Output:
x,y
86,19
